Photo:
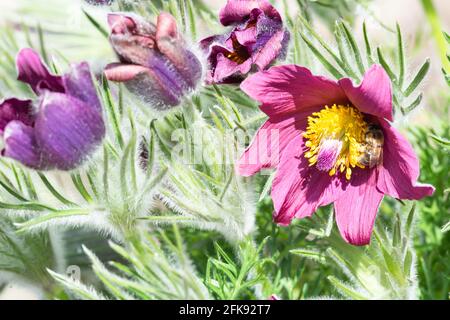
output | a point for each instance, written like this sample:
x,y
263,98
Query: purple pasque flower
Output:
x,y
330,142
155,61
62,128
100,2
258,38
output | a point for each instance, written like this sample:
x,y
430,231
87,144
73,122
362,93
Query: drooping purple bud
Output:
x,y
67,124
155,62
258,38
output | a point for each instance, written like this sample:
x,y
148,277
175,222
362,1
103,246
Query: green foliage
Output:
x,y
349,61
432,241
26,256
163,189
230,280
154,267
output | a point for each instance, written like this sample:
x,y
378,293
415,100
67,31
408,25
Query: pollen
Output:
x,y
334,137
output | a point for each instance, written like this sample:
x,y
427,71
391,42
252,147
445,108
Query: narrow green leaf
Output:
x,y
322,59
95,23
413,104
112,112
50,216
79,185
345,290
320,40
418,78
386,66
310,254
31,206
267,186
367,45
355,50
53,191
401,57
440,140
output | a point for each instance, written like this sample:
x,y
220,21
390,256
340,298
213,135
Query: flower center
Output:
x,y
240,53
335,136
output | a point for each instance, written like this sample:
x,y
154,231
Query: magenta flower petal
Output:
x,y
374,95
400,170
320,163
269,143
67,130
21,145
15,109
357,207
32,70
298,189
285,90
237,10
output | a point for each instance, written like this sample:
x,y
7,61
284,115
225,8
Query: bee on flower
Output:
x,y
330,142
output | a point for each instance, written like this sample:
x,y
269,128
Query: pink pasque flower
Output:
x,y
330,142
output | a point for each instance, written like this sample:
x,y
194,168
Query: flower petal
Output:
x,y
21,145
235,11
122,72
32,70
284,90
166,27
269,143
78,83
226,68
400,170
16,109
272,49
357,207
374,95
67,130
298,189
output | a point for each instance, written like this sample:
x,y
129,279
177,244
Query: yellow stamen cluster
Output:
x,y
344,123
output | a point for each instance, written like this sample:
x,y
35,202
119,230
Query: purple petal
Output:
x,y
357,207
285,90
400,170
226,68
237,11
157,86
265,29
32,70
328,154
246,37
269,143
67,130
20,144
374,95
15,109
272,49
298,190
186,63
78,83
